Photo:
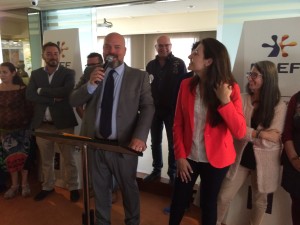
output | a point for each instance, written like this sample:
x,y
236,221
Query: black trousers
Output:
x,y
211,180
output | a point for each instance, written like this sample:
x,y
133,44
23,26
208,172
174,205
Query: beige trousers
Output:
x,y
230,188
47,152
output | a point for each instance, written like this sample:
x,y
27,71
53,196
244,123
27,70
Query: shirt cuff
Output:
x,y
91,88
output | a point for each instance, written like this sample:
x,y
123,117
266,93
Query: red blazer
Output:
x,y
218,140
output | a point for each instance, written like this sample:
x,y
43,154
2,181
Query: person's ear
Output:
x,y
208,62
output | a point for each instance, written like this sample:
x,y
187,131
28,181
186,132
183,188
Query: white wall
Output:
x,y
168,23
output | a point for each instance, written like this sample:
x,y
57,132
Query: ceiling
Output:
x,y
15,11
134,8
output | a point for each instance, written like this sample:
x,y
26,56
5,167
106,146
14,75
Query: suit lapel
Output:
x,y
124,85
97,95
43,77
57,75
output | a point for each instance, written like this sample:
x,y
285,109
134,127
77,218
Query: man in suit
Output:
x,y
94,59
49,88
131,117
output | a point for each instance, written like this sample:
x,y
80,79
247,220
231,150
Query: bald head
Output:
x,y
114,44
163,46
115,36
163,39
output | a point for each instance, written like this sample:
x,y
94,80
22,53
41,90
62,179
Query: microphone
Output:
x,y
108,60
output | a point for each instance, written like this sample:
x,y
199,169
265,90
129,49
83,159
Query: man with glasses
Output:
x,y
166,70
93,59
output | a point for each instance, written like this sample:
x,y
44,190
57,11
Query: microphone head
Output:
x,y
108,61
109,58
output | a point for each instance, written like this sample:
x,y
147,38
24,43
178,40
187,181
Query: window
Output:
x,y
181,48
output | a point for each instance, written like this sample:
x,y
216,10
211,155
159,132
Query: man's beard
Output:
x,y
52,63
115,64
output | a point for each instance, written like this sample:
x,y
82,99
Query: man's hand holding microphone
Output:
x,y
99,72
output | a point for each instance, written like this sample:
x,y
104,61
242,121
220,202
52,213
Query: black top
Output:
x,y
248,158
165,82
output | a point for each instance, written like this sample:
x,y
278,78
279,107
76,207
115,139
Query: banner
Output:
x,y
276,40
68,41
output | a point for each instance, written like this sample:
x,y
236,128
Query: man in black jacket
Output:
x,y
165,70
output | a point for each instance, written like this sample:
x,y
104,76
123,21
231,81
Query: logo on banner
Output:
x,y
278,47
62,47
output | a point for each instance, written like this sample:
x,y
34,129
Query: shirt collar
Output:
x,y
45,69
120,69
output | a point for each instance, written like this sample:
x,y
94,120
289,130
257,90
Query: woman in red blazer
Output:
x,y
208,115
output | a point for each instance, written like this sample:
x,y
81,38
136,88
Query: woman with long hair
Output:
x,y
258,153
208,115
15,115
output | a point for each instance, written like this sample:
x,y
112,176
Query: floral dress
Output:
x,y
15,115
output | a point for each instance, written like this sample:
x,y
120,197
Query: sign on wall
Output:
x,y
68,41
276,40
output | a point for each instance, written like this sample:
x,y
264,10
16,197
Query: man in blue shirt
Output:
x,y
131,116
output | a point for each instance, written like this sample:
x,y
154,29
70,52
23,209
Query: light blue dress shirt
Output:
x,y
118,77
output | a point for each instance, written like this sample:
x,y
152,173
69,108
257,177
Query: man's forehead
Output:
x,y
164,40
114,40
51,49
113,43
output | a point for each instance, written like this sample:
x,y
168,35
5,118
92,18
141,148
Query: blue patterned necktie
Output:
x,y
107,105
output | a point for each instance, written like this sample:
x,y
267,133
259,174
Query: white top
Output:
x,y
198,153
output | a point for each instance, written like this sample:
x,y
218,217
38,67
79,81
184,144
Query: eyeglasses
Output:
x,y
163,46
92,64
253,75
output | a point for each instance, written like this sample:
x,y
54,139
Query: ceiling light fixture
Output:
x,y
105,24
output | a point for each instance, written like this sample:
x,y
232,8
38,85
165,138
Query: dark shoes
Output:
x,y
42,194
152,176
74,195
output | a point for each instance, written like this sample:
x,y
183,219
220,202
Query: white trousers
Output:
x,y
47,152
230,188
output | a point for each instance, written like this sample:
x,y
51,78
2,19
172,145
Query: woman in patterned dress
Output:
x,y
15,115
